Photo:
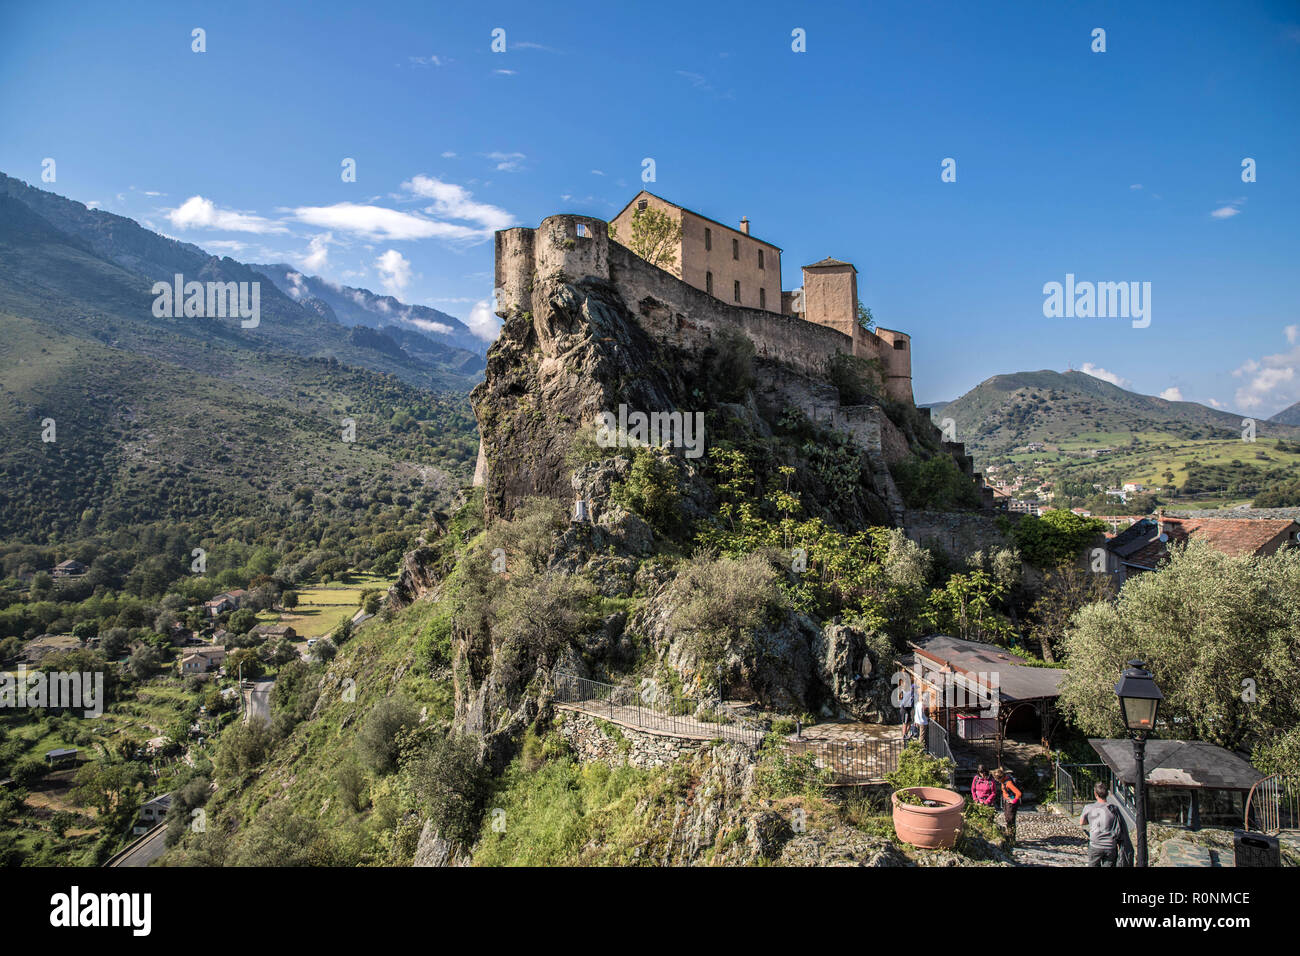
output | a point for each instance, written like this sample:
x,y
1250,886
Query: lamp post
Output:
x,y
1139,702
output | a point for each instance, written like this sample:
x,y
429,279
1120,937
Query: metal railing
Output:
x,y
1273,805
1074,783
848,762
655,712
936,745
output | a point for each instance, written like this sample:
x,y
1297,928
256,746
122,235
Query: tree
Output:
x,y
144,662
111,788
865,318
242,621
343,633
1055,538
1066,590
377,745
1220,634
289,599
655,236
245,662
449,780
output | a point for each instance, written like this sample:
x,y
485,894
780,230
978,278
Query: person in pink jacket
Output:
x,y
982,788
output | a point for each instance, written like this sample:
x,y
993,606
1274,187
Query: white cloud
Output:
x,y
395,271
226,245
504,72
507,162
1136,186
1097,372
1228,210
1215,403
597,172
456,202
377,222
94,204
428,325
1272,382
297,288
425,60
199,213
448,155
318,252
483,322
1172,394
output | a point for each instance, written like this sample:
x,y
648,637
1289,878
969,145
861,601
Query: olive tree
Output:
x,y
1220,634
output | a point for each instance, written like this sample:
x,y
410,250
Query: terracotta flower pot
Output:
x,y
929,828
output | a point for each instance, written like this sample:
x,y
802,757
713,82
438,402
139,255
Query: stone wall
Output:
x,y
672,310
956,533
617,745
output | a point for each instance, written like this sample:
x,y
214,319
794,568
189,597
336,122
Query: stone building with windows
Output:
x,y
741,270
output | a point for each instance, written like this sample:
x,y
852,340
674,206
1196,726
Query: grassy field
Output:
x,y
323,607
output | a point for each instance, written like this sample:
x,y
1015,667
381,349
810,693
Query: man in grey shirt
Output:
x,y
1105,829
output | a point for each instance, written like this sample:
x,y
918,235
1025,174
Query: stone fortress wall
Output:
x,y
670,309
689,319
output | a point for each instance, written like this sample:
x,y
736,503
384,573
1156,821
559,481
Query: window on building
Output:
x,y
762,297
900,344
708,282
583,231
760,258
737,289
708,238
735,249
642,204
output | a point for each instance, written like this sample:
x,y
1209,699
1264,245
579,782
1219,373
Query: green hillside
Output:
x,y
1078,431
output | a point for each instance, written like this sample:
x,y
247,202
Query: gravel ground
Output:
x,y
1047,838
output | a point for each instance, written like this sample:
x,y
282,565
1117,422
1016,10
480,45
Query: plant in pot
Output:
x,y
926,813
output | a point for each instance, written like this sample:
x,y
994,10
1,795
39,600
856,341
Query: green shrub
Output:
x,y
652,490
377,743
916,768
935,484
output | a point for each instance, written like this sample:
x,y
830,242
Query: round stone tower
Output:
x,y
578,246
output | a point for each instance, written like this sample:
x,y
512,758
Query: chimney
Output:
x,y
744,224
1160,521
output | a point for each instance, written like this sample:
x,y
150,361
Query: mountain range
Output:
x,y
200,417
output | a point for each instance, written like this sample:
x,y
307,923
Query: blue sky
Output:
x,y
1115,166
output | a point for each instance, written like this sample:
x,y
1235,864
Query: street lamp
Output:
x,y
1139,703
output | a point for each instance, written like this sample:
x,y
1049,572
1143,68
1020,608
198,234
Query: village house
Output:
x,y
202,660
152,813
68,569
1145,544
978,691
269,631
224,602
61,757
